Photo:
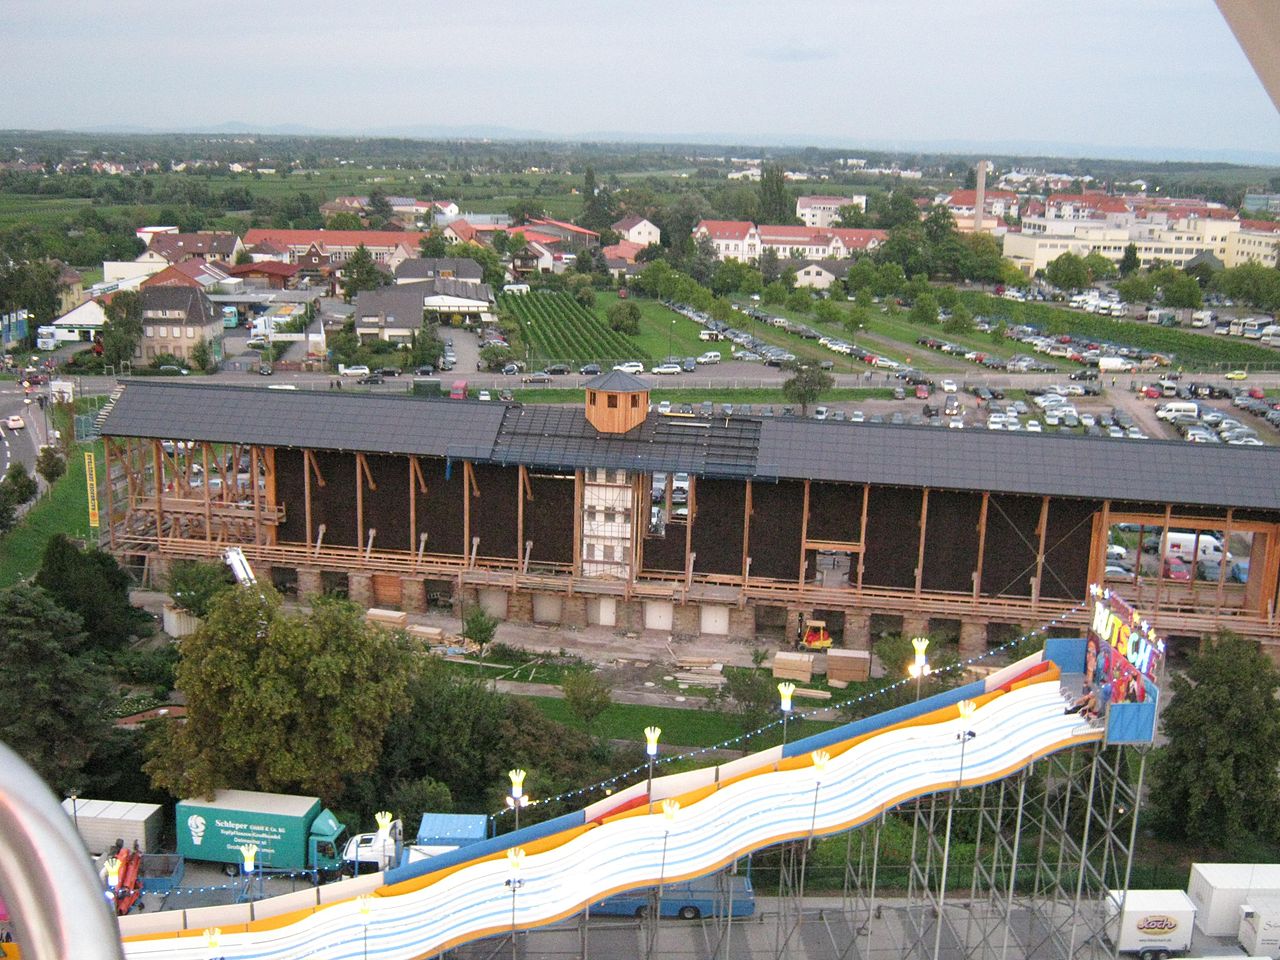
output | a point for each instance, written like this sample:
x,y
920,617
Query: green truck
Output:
x,y
291,832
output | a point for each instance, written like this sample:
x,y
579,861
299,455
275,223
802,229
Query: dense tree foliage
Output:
x,y
91,584
1216,782
806,385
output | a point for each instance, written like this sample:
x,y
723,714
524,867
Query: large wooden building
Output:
x,y
616,516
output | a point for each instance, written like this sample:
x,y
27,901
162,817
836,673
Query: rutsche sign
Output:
x,y
1116,623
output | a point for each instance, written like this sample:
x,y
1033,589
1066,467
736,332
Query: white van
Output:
x,y
711,356
1208,547
1178,408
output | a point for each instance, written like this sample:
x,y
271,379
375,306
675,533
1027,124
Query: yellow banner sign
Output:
x,y
91,481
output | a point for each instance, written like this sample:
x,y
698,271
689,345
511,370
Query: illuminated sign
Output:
x,y
91,482
1119,625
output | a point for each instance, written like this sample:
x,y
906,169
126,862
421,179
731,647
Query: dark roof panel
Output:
x,y
616,381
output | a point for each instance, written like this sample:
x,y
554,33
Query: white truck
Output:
x,y
1219,890
1115,365
1150,924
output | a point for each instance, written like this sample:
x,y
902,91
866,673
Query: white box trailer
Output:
x,y
102,822
1219,890
1150,923
1259,931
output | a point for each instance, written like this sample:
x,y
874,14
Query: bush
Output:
x,y
50,464
91,584
586,695
147,668
193,584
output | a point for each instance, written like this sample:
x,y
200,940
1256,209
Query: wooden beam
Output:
x,y
982,544
1042,529
108,490
413,503
359,500
924,524
257,495
1098,570
269,454
157,460
466,514
364,468
862,532
314,464
688,527
1161,553
468,472
804,533
746,532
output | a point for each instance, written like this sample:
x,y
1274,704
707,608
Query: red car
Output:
x,y
1175,569
922,391
1256,393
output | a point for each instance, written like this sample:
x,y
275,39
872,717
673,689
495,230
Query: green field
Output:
x,y
663,332
557,329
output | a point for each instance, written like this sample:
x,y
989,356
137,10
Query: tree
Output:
x,y
57,700
278,701
800,301
805,385
379,207
776,205
90,584
1136,288
624,317
479,628
1099,267
925,308
243,257
597,209
586,696
495,356
960,321
123,330
524,210
1178,290
1216,782
195,584
1129,262
50,464
862,275
19,486
493,271
774,294
360,272
344,220
939,224
433,244
769,268
202,357
852,215
827,312
900,209
1068,272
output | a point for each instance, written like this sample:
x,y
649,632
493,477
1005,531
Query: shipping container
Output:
x,y
102,822
1219,890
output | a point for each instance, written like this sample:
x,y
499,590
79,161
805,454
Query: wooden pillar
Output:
x,y
272,532
982,543
108,491
746,532
1098,567
359,502
1042,528
577,523
257,494
522,480
691,504
1161,553
306,492
804,533
157,458
413,504
862,533
924,524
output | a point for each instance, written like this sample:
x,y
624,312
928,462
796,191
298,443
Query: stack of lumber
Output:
x,y
428,635
699,671
387,618
848,666
793,666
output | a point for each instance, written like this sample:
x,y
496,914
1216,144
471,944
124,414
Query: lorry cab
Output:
x,y
324,844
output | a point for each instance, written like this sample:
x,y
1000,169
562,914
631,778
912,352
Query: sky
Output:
x,y
1103,77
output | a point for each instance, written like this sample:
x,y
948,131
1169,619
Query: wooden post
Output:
x,y
577,523
522,481
804,534
306,492
272,533
924,523
157,458
1098,572
413,503
359,500
1161,553
982,544
862,533
688,527
746,533
466,515
108,491
1042,529
257,498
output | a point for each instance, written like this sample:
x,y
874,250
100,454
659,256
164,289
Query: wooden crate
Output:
x,y
813,694
793,666
848,666
426,634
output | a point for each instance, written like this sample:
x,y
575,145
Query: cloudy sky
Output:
x,y
1126,75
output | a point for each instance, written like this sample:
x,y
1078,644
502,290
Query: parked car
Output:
x,y
949,386
15,422
559,369
388,371
540,377
511,369
711,356
590,370
666,369
371,379
1236,375
356,370
630,366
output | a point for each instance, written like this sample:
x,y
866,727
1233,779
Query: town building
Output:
x,y
743,240
396,312
174,320
387,247
1257,241
636,229
180,247
1043,239
820,211
439,268
608,514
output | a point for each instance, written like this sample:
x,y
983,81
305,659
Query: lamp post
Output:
x,y
669,810
919,668
966,708
515,860
786,690
671,333
517,799
212,938
365,904
75,811
249,852
112,866
651,735
820,760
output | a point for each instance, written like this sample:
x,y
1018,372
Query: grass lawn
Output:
x,y
663,332
63,510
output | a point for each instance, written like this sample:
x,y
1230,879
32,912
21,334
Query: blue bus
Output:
x,y
714,896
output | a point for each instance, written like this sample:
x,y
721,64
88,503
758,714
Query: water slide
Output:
x,y
819,785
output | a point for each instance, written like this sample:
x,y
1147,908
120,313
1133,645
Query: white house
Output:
x,y
80,324
637,230
819,211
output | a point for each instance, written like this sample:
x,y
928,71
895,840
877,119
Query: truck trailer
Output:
x,y
103,823
1219,890
1150,924
291,832
1259,931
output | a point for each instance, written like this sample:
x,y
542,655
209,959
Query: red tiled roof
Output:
x,y
563,225
269,267
623,250
1264,226
856,239
726,229
967,198
335,238
626,223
